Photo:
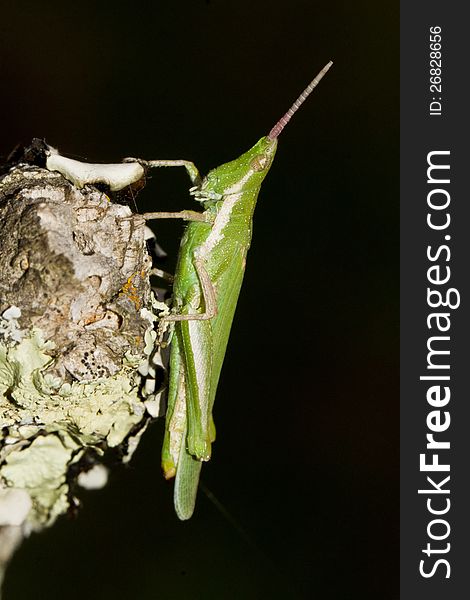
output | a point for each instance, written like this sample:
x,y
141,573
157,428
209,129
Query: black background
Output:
x,y
306,460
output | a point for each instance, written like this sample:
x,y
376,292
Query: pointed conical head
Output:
x,y
243,173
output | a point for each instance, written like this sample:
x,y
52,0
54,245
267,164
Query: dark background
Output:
x,y
306,461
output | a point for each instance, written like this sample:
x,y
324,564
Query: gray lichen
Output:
x,y
77,339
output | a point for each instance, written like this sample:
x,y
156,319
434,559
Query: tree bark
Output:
x,y
77,359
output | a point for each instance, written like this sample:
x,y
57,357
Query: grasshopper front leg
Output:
x,y
190,167
186,215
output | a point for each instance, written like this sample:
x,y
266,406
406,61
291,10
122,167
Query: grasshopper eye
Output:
x,y
211,180
258,163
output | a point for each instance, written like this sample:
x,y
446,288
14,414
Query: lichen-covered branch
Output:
x,y
77,336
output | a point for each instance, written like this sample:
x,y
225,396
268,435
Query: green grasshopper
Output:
x,y
206,286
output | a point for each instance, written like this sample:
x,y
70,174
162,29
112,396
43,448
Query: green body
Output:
x,y
229,195
207,283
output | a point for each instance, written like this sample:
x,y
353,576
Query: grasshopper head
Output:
x,y
248,171
243,173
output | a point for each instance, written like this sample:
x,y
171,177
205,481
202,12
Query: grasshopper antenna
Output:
x,y
276,130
